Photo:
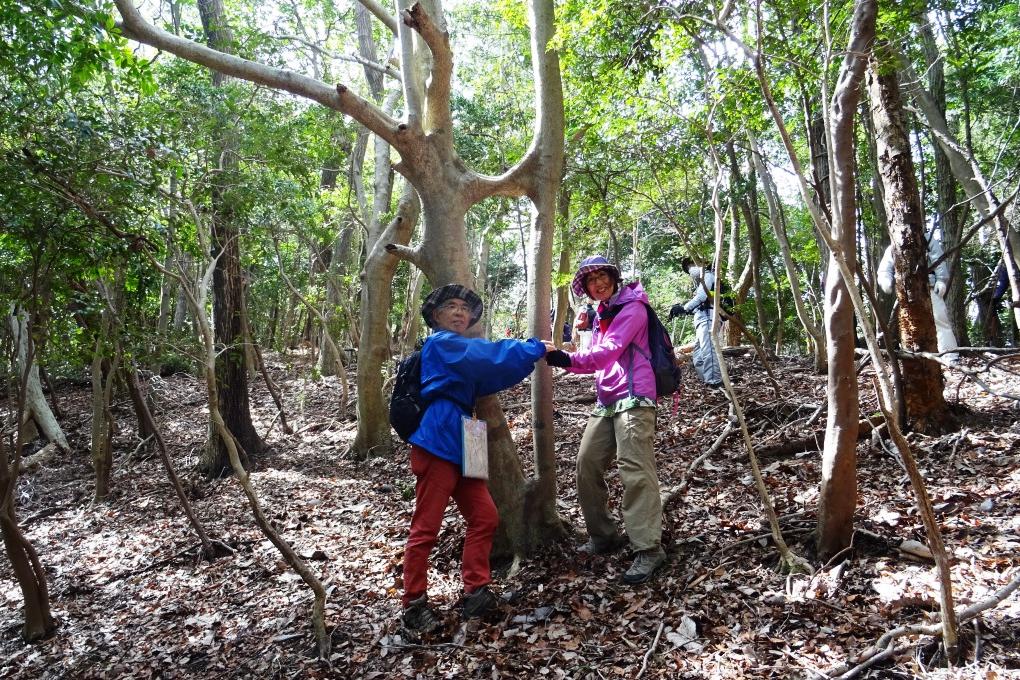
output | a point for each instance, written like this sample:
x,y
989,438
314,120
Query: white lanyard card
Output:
x,y
476,448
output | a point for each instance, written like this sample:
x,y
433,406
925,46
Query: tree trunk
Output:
x,y
228,285
428,159
950,211
31,577
147,423
987,309
373,437
922,378
540,515
335,292
25,564
102,421
36,409
968,173
838,487
817,340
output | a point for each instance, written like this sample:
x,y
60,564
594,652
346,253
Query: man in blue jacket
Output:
x,y
455,371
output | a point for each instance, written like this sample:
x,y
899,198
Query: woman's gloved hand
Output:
x,y
558,358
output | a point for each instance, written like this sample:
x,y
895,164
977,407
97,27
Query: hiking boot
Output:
x,y
418,618
646,563
478,603
604,546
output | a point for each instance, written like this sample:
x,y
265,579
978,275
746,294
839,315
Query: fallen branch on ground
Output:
x,y
884,647
812,442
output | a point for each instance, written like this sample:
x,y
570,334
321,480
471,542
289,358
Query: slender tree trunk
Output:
x,y
36,409
540,516
373,437
147,423
25,564
968,173
950,211
817,340
228,285
563,312
922,378
838,488
334,294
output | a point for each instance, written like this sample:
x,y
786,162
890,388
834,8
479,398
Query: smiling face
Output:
x,y
453,315
600,285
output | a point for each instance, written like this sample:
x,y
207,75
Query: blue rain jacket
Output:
x,y
458,370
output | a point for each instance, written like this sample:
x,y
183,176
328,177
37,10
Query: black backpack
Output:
x,y
663,359
406,405
727,298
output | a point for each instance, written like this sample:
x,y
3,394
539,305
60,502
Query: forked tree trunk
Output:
x,y
31,577
446,187
922,378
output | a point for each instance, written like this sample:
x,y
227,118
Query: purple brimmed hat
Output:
x,y
449,292
589,265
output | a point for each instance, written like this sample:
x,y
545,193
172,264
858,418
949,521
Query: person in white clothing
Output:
x,y
937,282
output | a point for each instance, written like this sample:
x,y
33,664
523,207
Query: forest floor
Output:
x,y
132,601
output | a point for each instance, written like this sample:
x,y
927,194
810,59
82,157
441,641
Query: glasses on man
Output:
x,y
455,306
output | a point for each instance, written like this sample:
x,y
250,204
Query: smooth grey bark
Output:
x,y
792,275
36,409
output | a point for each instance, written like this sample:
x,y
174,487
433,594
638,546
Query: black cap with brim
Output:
x,y
451,291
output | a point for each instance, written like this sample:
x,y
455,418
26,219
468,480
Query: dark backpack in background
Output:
x,y
406,404
663,356
727,298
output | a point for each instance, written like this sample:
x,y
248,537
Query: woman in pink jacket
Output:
x,y
623,423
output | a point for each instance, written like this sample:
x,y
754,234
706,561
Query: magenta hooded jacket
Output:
x,y
619,370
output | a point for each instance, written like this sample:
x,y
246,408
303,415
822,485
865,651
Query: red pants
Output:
x,y
439,480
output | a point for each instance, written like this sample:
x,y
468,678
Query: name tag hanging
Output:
x,y
476,448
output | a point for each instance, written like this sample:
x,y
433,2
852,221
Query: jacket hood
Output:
x,y
631,292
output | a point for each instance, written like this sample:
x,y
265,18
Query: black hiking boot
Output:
x,y
478,603
418,618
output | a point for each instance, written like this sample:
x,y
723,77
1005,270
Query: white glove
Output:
x,y
940,288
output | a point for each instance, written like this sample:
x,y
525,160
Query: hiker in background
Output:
x,y
623,423
455,371
566,331
700,305
938,280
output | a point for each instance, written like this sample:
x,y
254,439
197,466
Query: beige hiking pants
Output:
x,y
627,436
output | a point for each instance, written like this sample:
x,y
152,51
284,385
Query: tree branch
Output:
x,y
375,66
381,14
338,98
437,101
